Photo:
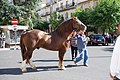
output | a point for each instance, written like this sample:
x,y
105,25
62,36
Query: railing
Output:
x,y
66,7
62,8
45,14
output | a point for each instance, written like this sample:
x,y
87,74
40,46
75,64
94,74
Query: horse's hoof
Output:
x,y
24,70
62,68
34,68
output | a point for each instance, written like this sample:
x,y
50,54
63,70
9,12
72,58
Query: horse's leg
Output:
x,y
30,61
32,65
61,55
30,55
23,67
26,60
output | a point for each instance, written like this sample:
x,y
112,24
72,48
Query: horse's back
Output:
x,y
30,38
34,33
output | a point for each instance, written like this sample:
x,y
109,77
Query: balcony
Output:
x,y
51,3
48,4
45,14
66,7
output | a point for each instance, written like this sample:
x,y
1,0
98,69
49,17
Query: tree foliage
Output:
x,y
23,10
55,20
103,16
84,16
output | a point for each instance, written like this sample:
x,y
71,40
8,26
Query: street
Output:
x,y
47,65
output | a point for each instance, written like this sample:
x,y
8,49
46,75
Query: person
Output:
x,y
87,38
73,44
81,45
3,40
106,39
114,39
115,60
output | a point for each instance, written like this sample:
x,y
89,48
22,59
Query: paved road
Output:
x,y
47,61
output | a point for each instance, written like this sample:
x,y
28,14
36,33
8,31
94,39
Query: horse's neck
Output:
x,y
64,30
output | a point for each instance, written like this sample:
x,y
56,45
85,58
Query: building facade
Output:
x,y
64,7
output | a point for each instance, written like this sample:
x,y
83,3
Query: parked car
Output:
x,y
96,39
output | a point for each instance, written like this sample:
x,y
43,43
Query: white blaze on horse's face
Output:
x,y
79,21
79,25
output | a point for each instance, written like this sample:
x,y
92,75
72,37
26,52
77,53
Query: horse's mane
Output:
x,y
64,27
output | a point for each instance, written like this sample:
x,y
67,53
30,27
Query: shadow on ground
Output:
x,y
48,60
108,49
17,71
11,71
100,57
51,68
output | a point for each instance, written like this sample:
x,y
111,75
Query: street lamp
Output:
x,y
15,22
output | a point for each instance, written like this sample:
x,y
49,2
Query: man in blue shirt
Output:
x,y
81,45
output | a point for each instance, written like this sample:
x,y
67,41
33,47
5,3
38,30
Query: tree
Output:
x,y
84,16
103,16
23,10
55,20
5,12
39,24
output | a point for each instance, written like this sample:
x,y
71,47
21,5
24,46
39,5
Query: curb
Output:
x,y
3,49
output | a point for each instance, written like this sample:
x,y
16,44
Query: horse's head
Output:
x,y
78,25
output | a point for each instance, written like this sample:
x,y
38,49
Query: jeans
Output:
x,y
73,52
83,53
114,41
116,79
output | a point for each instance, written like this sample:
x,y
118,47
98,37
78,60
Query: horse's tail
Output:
x,y
22,46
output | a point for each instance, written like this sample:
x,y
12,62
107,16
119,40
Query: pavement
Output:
x,y
47,65
1,49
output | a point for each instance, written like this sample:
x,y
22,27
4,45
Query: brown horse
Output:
x,y
56,41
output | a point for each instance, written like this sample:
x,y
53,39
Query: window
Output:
x,y
81,7
66,3
59,0
49,1
73,2
66,15
71,15
61,5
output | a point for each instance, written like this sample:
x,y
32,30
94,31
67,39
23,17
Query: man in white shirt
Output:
x,y
115,60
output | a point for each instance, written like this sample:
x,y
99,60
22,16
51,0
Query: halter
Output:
x,y
74,21
78,21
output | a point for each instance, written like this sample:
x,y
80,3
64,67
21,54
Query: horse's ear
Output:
x,y
74,18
